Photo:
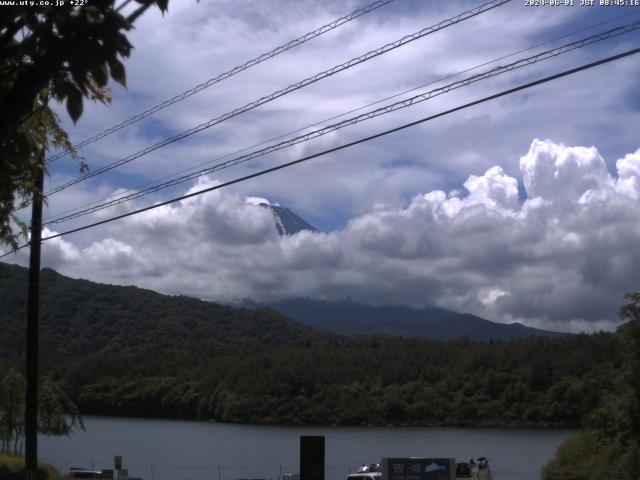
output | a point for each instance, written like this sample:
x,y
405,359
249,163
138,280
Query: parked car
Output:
x,y
291,476
83,473
367,472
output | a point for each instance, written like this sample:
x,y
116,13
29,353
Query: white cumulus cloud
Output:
x,y
559,254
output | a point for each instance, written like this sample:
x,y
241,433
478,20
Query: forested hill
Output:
x,y
128,351
78,316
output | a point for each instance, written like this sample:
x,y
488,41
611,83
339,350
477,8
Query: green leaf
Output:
x,y
59,88
100,74
117,72
44,93
74,104
163,5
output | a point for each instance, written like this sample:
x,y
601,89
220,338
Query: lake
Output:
x,y
182,450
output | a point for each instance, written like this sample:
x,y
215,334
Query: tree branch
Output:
x,y
137,12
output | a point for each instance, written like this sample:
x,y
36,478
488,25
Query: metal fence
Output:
x,y
272,472
204,472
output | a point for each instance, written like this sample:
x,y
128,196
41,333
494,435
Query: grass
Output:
x,y
12,468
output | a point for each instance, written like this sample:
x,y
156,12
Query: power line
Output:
x,y
348,145
223,76
117,196
359,118
291,88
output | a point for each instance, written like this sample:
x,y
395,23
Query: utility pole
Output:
x,y
33,313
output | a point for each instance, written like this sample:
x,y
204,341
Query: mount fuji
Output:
x,y
287,222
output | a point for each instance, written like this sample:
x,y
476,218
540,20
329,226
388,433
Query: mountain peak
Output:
x,y
287,222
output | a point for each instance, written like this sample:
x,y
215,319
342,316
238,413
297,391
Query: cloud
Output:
x,y
60,251
556,172
494,189
196,41
442,213
629,174
560,257
258,201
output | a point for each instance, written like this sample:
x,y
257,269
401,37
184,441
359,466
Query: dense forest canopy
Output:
x,y
376,380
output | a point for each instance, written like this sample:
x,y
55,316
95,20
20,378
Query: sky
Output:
x,y
522,209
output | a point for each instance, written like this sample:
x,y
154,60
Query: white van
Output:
x,y
367,472
84,474
365,476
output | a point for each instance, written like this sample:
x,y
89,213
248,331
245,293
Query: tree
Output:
x,y
58,414
631,330
610,448
12,389
65,53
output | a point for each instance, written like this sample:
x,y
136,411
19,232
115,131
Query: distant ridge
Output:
x,y
79,316
348,318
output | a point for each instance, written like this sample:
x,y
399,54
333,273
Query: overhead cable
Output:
x,y
422,97
126,192
347,145
291,88
223,76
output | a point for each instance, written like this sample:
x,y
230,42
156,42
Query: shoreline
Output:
x,y
487,425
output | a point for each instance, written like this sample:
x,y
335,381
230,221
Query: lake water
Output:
x,y
178,450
